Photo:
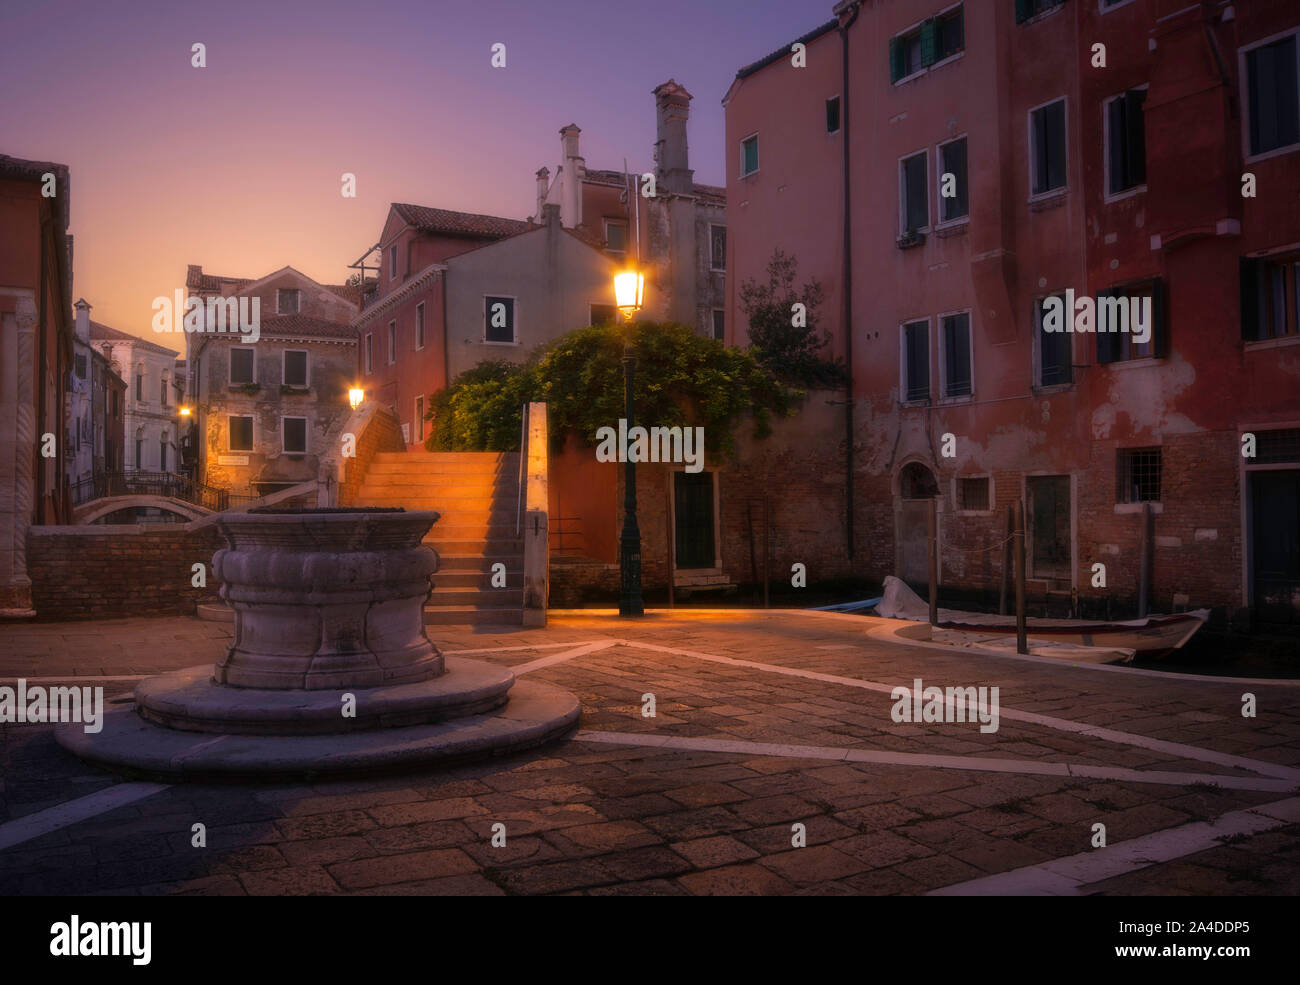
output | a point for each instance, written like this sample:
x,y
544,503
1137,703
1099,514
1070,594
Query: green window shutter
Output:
x,y
1024,10
929,42
895,59
1107,342
1250,271
1159,322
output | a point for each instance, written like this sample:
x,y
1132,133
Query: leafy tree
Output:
x,y
681,379
791,350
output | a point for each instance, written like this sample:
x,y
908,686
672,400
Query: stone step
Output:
x,y
455,578
485,502
471,598
438,470
497,548
452,561
500,458
451,615
472,531
402,478
215,612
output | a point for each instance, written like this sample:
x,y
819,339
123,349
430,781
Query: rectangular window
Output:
x,y
913,196
419,326
1026,9
295,367
1047,148
1052,366
498,319
370,353
79,366
392,342
905,55
139,388
950,34
952,161
602,314
1116,308
286,302
615,236
162,454
955,339
1272,96
295,435
241,366
717,247
833,114
1270,290
1126,157
241,433
392,262
139,452
916,361
973,494
749,155
719,324
1138,475
419,418
162,391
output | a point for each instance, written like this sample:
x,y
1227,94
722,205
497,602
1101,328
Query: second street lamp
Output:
x,y
629,290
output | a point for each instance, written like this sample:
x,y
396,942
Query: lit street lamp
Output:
x,y
355,396
629,292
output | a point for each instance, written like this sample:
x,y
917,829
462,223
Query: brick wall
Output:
x,y
381,432
93,572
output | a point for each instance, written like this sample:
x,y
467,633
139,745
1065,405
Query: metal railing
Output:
x,y
134,483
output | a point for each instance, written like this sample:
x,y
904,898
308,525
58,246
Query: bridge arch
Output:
x,y
98,508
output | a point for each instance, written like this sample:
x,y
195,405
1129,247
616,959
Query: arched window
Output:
x,y
917,482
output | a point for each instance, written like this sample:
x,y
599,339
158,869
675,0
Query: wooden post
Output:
x,y
1022,644
1006,559
766,556
932,543
672,539
1144,561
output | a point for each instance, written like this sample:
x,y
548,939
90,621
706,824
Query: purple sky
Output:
x,y
237,166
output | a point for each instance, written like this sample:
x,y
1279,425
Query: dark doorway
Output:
x,y
1049,525
916,488
693,519
1275,529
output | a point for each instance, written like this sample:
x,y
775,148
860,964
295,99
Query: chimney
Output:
x,y
672,163
550,215
543,186
572,169
83,319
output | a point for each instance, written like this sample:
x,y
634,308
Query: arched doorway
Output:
x,y
917,489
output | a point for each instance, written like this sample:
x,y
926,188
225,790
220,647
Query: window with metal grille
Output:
x,y
1138,474
1276,447
973,494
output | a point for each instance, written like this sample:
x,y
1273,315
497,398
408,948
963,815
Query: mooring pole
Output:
x,y
672,532
1144,561
1022,644
932,541
1006,559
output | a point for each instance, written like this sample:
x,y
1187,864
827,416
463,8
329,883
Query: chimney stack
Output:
x,y
83,319
672,161
543,186
572,169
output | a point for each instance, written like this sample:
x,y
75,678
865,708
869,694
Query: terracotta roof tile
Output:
x,y
100,331
448,223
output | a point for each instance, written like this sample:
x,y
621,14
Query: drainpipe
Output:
x,y
847,279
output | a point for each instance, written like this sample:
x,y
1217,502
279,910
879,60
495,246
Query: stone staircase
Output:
x,y
477,494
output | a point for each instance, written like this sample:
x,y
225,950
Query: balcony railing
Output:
x,y
133,483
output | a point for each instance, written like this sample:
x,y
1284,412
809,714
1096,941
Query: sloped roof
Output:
x,y
444,222
763,62
303,327
197,280
616,179
98,330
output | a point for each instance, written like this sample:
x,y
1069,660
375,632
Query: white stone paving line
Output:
x,y
887,634
1177,749
74,811
556,658
84,677
1070,875
928,761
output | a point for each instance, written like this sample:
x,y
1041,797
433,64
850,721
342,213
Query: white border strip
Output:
x,y
74,811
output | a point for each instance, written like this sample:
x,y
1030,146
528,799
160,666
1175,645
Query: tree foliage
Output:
x,y
681,379
791,348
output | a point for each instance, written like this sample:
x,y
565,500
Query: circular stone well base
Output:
x,y
535,713
190,700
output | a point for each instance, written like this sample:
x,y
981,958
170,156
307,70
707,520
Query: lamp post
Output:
x,y
629,290
355,396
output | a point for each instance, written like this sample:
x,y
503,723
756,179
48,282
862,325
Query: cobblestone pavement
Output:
x,y
764,721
